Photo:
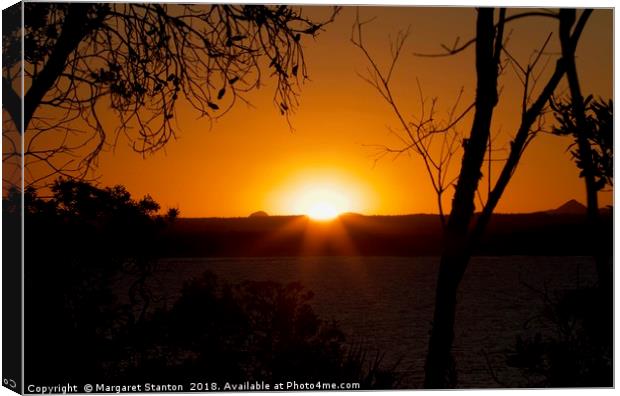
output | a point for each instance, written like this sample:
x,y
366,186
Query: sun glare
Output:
x,y
321,202
323,211
322,195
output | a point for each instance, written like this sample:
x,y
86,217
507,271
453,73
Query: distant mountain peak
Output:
x,y
260,213
570,207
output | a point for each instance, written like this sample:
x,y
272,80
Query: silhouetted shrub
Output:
x,y
77,242
87,246
252,331
579,351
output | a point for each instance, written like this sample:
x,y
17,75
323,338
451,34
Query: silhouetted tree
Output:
x,y
139,60
599,134
78,242
419,135
173,213
462,231
591,124
587,163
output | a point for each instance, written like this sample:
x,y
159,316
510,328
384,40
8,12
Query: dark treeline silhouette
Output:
x,y
543,233
92,314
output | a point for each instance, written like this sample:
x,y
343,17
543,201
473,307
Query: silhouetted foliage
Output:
x,y
250,331
578,352
588,159
173,213
94,314
76,244
140,60
599,133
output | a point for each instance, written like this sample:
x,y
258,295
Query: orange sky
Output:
x,y
251,161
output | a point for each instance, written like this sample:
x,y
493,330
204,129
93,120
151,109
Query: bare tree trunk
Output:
x,y
439,370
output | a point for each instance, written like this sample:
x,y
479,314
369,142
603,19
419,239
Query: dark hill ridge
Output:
x,y
542,233
260,213
570,207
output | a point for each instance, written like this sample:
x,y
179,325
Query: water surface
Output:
x,y
386,303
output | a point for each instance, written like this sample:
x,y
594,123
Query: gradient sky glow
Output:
x,y
251,161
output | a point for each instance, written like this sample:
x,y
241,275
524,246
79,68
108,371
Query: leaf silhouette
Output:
x,y
221,93
213,106
312,30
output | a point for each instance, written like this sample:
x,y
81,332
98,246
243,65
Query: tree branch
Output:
x,y
516,150
12,103
73,31
455,50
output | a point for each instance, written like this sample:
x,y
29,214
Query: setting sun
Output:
x,y
323,211
321,194
322,202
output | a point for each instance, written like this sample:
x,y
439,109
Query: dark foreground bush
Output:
x,y
253,331
86,247
576,349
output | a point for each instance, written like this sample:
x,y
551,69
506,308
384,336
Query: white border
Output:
x,y
459,3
